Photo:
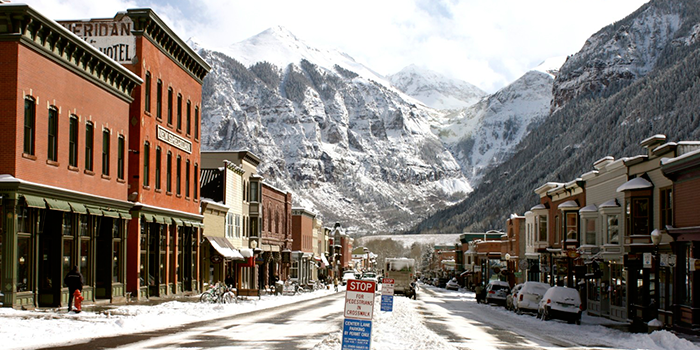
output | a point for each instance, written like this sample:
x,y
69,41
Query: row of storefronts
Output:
x,y
624,234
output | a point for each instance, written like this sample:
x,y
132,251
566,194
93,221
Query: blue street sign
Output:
x,y
387,303
357,334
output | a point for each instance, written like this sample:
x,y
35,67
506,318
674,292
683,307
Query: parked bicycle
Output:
x,y
219,293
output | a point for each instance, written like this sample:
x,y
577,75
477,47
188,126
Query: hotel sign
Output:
x,y
173,139
111,36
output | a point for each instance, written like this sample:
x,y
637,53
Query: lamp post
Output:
x,y
656,240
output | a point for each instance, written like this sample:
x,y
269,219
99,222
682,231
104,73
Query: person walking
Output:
x,y
74,281
335,283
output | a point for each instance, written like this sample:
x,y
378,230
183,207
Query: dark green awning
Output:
x,y
55,204
78,208
161,219
178,222
94,211
124,214
110,214
148,217
34,202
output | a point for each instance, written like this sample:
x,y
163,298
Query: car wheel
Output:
x,y
518,311
578,321
545,315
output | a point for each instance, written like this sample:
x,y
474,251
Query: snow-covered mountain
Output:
x,y
485,133
625,50
330,130
435,90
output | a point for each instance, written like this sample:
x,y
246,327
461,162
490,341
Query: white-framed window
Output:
x,y
238,226
229,225
613,228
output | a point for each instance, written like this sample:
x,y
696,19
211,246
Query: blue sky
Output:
x,y
487,43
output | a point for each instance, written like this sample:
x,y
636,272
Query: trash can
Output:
x,y
279,286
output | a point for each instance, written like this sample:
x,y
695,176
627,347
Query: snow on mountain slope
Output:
x,y
485,134
327,129
435,90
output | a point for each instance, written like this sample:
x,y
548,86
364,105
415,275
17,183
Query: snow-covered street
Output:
x,y
439,319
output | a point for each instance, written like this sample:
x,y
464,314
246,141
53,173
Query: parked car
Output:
x,y
442,282
529,296
452,284
348,275
370,276
497,291
511,297
562,303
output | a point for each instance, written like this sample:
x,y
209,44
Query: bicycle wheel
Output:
x,y
207,297
229,298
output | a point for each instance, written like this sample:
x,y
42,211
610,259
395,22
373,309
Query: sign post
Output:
x,y
359,306
387,294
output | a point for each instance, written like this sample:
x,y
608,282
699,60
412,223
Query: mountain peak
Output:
x,y
434,89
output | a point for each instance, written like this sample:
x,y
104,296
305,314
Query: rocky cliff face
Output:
x,y
626,50
343,141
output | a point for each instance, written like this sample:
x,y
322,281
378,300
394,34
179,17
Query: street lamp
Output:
x,y
656,240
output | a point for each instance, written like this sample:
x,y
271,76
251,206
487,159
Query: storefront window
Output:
x,y
294,270
67,224
163,252
142,261
23,224
85,259
180,253
67,255
688,276
116,261
618,286
23,263
83,225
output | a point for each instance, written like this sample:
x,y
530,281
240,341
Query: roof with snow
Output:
x,y
637,183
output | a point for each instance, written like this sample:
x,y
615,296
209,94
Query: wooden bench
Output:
x,y
248,293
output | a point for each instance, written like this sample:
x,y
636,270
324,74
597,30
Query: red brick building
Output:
x,y
163,148
302,244
275,235
64,115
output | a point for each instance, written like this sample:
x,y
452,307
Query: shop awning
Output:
x,y
111,214
124,214
148,217
324,260
160,219
178,222
33,201
78,208
94,211
225,248
55,204
247,253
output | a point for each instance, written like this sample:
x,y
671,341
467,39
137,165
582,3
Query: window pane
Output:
x,y
159,99
157,169
147,87
89,140
189,117
170,106
67,256
196,122
105,152
29,122
146,161
85,258
120,158
53,135
116,261
73,142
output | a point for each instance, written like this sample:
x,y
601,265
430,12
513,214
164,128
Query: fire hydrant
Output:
x,y
77,300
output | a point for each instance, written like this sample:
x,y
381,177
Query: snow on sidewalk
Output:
x,y
404,328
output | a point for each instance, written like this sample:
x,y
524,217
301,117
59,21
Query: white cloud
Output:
x,y
487,43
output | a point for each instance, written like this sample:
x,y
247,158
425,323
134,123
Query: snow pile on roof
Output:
x,y
637,183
